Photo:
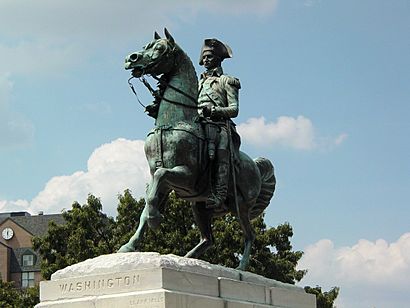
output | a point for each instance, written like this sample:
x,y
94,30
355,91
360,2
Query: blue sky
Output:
x,y
325,95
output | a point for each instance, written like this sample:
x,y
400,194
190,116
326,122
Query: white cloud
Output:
x,y
237,7
104,20
340,139
15,129
89,21
297,133
39,57
46,36
14,206
111,168
370,274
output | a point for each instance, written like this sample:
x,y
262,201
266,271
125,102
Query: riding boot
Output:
x,y
217,199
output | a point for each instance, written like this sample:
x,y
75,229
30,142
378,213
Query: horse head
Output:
x,y
157,57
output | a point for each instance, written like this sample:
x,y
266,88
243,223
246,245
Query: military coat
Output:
x,y
221,92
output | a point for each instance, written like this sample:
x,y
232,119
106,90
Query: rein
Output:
x,y
155,93
177,90
135,92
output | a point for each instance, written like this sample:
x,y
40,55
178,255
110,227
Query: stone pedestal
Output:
x,y
150,280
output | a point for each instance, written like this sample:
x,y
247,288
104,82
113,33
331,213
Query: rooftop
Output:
x,y
35,224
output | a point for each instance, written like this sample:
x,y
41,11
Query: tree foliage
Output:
x,y
10,297
88,232
324,299
272,251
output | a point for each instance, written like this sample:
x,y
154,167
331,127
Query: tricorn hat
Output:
x,y
218,48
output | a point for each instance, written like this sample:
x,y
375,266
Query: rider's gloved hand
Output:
x,y
206,111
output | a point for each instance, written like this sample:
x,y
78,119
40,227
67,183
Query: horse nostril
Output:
x,y
134,57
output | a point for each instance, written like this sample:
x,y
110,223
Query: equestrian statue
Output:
x,y
194,147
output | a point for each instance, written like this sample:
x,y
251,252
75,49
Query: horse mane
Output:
x,y
185,64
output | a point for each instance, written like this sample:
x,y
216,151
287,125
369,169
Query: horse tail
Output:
x,y
268,180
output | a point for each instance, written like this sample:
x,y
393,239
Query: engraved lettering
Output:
x,y
63,288
87,284
136,278
79,286
127,280
146,300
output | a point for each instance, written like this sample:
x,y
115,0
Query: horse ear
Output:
x,y
168,36
156,35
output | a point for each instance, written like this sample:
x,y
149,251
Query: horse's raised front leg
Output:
x,y
164,179
203,218
249,235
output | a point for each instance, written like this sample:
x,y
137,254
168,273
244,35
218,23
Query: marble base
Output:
x,y
151,280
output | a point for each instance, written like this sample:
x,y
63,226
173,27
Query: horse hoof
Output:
x,y
126,248
242,267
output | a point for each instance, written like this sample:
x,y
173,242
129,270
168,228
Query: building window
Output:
x,y
27,279
28,260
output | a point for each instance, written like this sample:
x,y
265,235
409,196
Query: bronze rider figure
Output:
x,y
218,100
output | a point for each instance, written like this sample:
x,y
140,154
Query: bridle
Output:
x,y
167,53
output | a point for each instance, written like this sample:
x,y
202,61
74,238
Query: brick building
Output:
x,y
18,261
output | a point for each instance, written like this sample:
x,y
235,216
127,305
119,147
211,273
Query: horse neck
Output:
x,y
183,78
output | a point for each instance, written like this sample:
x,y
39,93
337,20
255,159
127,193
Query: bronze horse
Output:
x,y
176,153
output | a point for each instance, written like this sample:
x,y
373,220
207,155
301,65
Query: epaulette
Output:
x,y
233,81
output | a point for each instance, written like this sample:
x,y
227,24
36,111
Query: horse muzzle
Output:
x,y
131,61
137,69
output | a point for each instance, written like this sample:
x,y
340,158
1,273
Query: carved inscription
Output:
x,y
100,284
151,301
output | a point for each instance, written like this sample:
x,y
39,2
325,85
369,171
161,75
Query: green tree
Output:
x,y
10,297
324,299
272,251
87,233
177,233
272,254
128,212
29,297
